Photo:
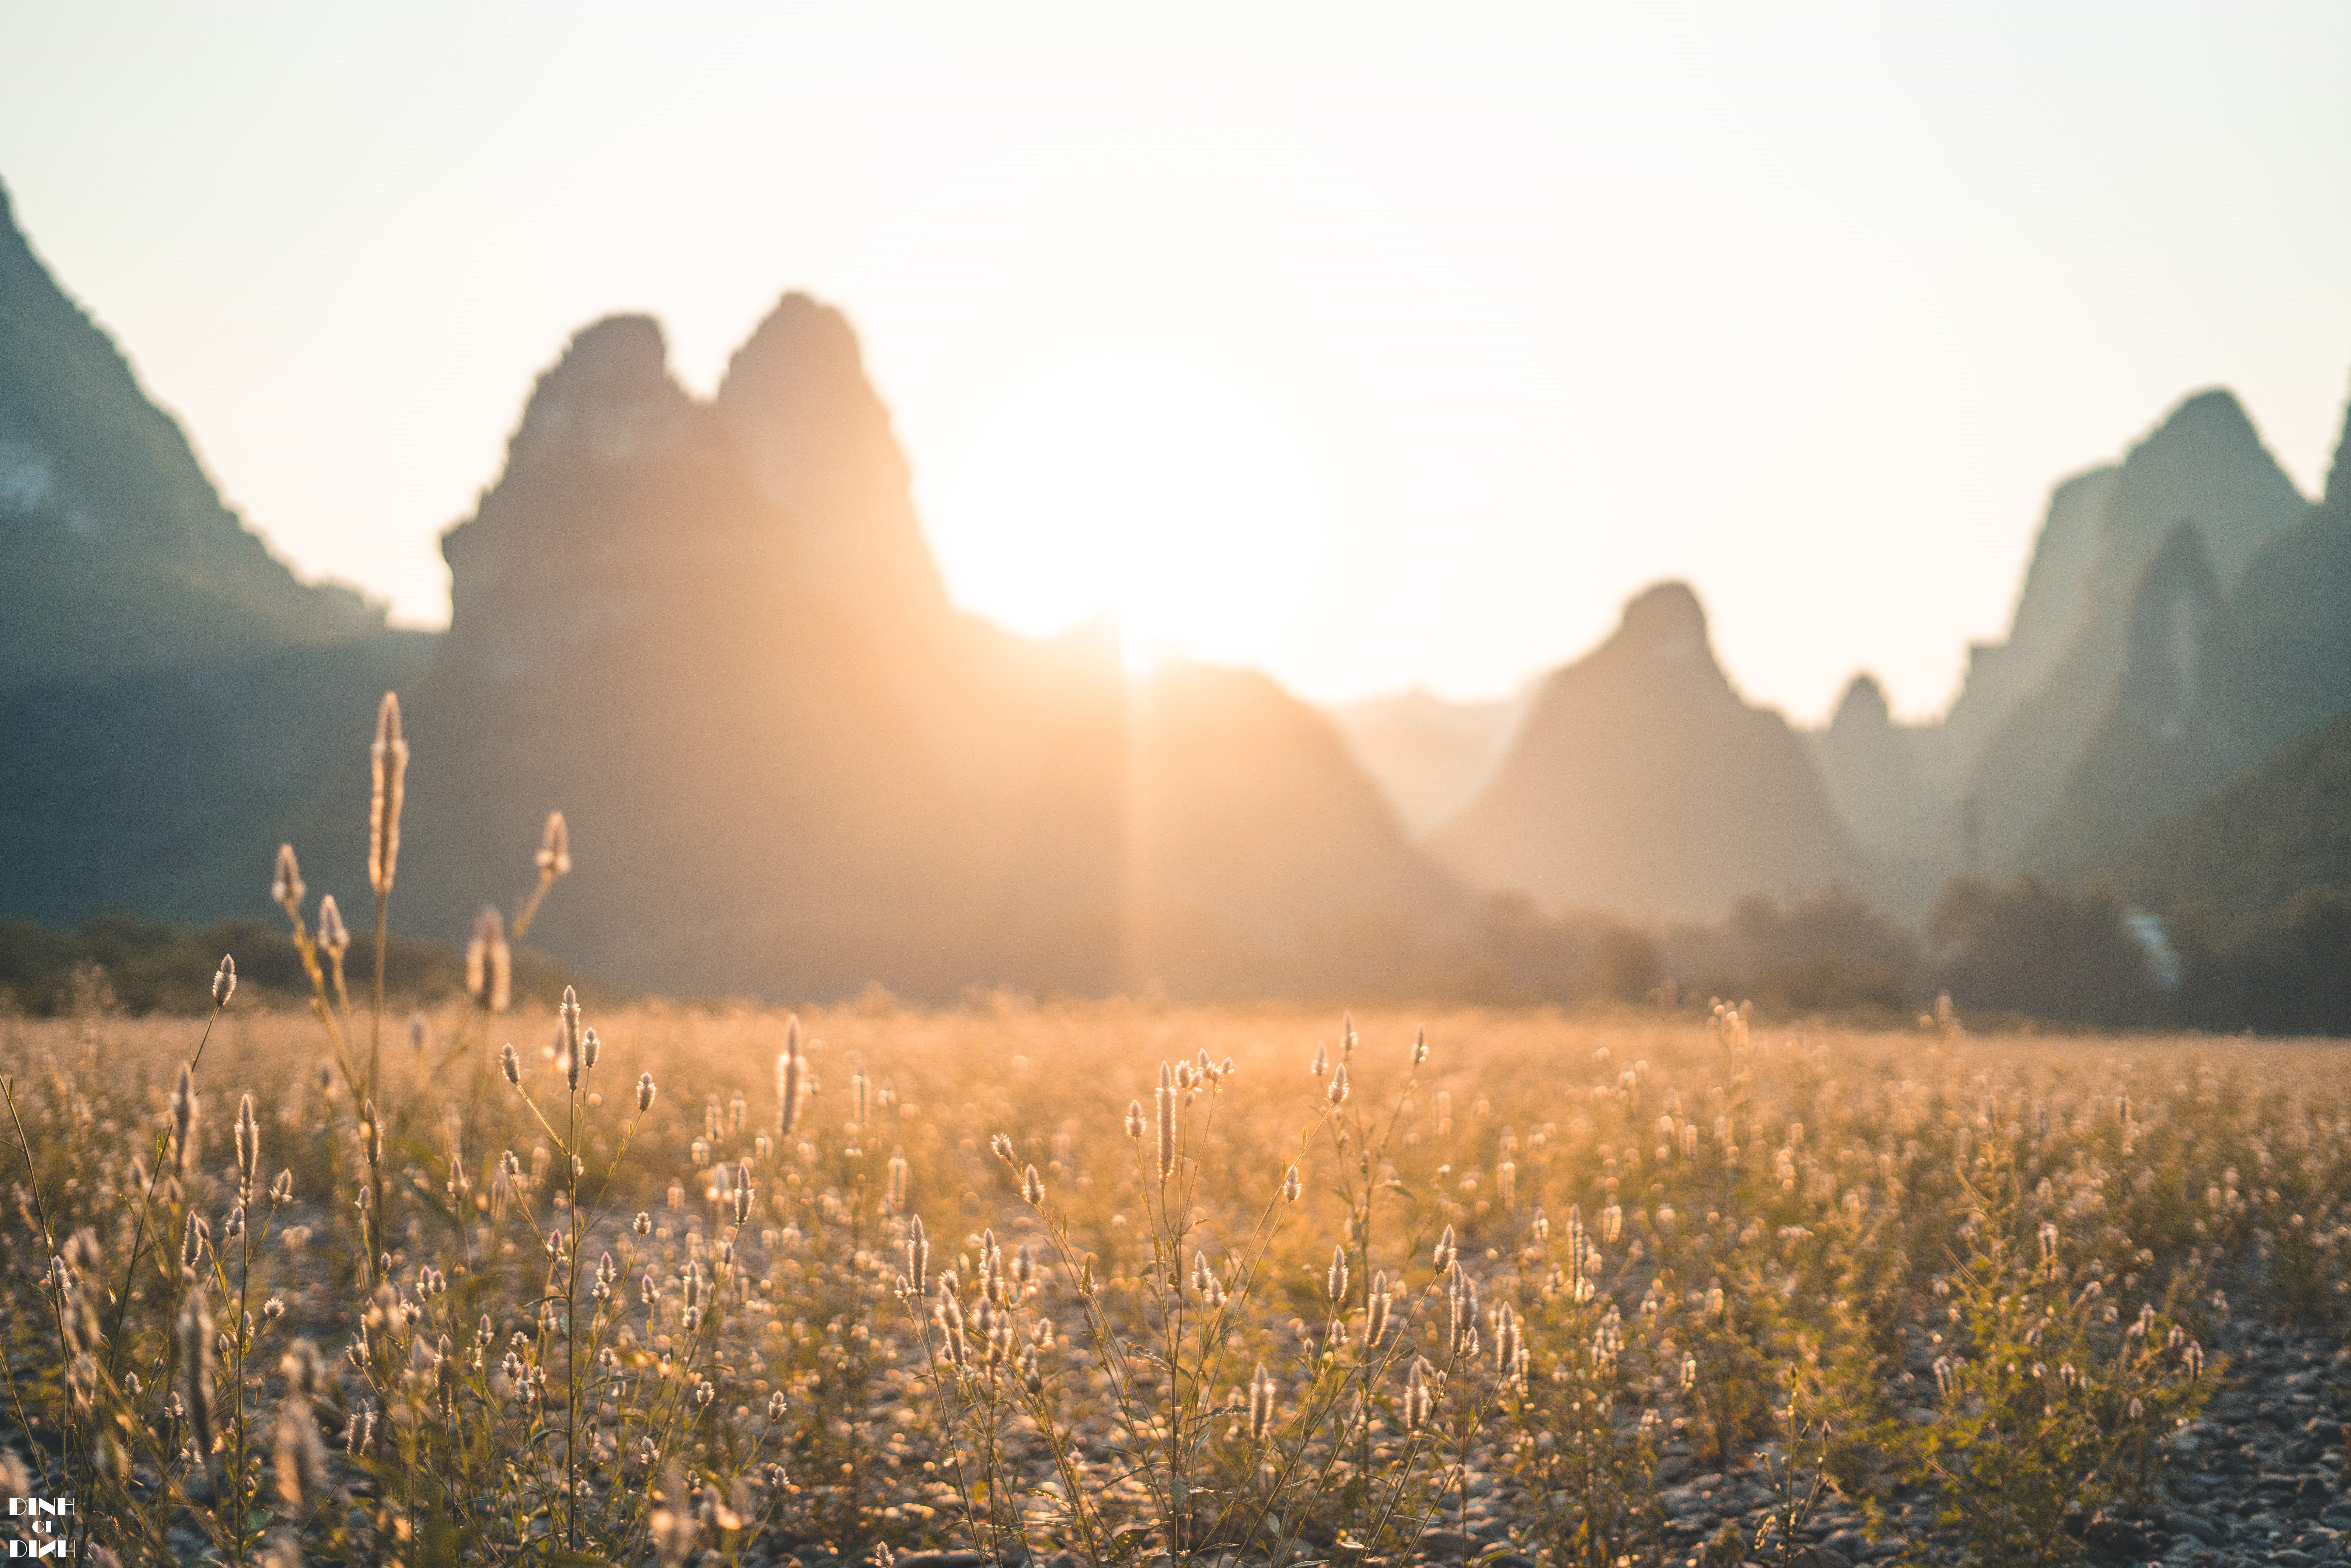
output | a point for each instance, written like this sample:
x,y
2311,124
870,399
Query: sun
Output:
x,y
1144,490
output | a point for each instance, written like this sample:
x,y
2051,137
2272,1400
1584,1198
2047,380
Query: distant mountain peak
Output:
x,y
1870,766
2216,404
2204,460
1862,707
608,396
1667,621
1641,779
2338,472
802,364
799,405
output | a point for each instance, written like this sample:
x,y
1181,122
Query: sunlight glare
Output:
x,y
1141,488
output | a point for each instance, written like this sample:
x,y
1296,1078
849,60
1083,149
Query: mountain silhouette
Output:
x,y
2289,599
116,554
2205,463
1640,780
1870,764
2048,605
796,401
2186,715
711,635
171,696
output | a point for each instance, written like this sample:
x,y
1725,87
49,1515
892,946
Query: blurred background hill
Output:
x,y
711,630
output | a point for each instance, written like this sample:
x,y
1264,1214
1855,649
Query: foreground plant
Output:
x,y
2051,1404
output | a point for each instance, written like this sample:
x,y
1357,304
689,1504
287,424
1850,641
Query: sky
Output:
x,y
1380,347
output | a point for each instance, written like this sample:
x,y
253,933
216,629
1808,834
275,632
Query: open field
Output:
x,y
1717,1294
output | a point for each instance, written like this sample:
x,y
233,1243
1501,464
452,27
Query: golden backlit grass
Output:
x,y
1675,1237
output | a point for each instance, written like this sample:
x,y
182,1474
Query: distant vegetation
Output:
x,y
143,965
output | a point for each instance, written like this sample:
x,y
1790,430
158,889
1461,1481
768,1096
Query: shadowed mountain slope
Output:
x,y
2186,714
2047,607
116,554
1870,764
2248,848
171,695
2290,600
167,792
1641,781
2205,463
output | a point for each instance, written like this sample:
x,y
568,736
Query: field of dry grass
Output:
x,y
1031,1280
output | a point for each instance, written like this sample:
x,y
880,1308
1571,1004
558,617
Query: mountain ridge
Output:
x,y
117,555
1718,800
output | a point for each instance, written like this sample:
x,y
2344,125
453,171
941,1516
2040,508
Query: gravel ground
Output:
x,y
2258,1479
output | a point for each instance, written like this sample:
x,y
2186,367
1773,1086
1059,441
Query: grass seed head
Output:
x,y
554,857
788,1079
1165,1097
301,1457
1507,1355
333,935
918,1256
1261,1404
196,1365
1292,1186
248,1148
568,1016
489,962
285,887
510,1064
388,764
225,981
184,1119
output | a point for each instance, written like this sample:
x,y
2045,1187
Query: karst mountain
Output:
x,y
1641,780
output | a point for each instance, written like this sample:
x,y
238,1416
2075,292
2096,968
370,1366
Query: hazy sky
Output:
x,y
1376,346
